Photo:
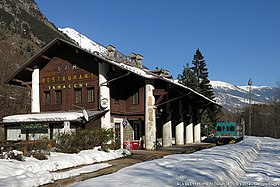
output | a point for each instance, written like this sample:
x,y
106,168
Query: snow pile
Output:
x,y
252,162
76,172
33,172
265,169
229,165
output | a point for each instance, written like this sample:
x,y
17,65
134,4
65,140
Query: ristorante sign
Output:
x,y
67,81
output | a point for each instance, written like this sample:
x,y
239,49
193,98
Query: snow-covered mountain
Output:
x,y
234,97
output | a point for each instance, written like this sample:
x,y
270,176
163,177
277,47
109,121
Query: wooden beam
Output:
x,y
27,84
23,83
17,80
45,57
28,69
159,99
159,92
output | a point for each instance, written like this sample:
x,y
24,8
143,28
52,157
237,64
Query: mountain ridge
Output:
x,y
234,98
24,30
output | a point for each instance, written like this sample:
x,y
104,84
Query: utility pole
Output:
x,y
250,108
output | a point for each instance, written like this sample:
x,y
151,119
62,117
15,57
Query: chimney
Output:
x,y
133,58
139,59
111,52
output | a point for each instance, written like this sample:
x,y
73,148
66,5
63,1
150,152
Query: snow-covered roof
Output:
x,y
40,117
85,42
51,116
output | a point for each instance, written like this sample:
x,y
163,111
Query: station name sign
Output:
x,y
34,126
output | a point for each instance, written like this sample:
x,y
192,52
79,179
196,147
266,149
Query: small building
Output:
x,y
74,88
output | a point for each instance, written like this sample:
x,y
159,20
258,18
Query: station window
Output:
x,y
117,98
47,97
136,131
58,97
90,95
78,95
227,128
135,98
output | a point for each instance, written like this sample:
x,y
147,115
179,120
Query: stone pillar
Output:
x,y
121,135
197,132
150,116
189,133
179,131
35,91
167,132
104,96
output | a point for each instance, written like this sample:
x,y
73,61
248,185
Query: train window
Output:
x,y
231,128
219,128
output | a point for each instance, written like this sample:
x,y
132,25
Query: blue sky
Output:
x,y
240,39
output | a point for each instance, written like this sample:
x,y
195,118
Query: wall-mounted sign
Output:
x,y
34,126
68,78
69,86
104,103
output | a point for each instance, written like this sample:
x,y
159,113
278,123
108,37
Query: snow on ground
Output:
x,y
33,172
252,162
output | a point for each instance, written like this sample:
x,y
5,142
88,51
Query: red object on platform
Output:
x,y
135,145
132,145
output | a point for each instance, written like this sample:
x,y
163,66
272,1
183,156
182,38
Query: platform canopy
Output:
x,y
53,117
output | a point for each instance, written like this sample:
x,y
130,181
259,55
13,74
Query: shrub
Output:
x,y
84,139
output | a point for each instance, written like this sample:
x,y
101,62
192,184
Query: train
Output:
x,y
229,132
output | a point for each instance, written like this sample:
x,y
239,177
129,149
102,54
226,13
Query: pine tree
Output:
x,y
201,73
196,78
188,78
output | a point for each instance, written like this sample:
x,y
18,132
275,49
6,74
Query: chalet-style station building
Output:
x,y
74,88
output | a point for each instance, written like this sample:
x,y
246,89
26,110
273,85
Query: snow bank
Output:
x,y
252,162
222,165
33,172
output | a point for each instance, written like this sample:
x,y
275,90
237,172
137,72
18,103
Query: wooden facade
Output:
x,y
65,85
127,97
141,102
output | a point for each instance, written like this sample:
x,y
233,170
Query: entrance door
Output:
x,y
137,130
118,135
